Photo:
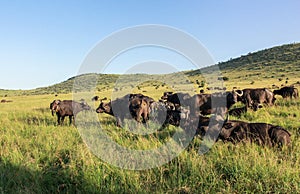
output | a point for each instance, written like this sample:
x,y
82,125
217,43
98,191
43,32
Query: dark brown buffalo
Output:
x,y
213,103
139,108
178,99
95,98
165,113
211,126
158,112
120,112
68,108
260,133
5,101
165,95
287,91
127,107
202,125
175,117
254,96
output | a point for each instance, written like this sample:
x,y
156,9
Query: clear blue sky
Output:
x,y
45,42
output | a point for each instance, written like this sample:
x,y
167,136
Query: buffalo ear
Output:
x,y
103,99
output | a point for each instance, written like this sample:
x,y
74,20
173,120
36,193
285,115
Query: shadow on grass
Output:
x,y
54,177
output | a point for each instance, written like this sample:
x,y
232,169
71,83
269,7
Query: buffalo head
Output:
x,y
54,106
104,107
85,106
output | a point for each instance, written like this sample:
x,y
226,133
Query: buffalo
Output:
x,y
95,98
211,126
260,133
252,97
185,106
234,131
129,106
159,111
175,117
205,103
139,108
165,113
287,91
68,108
177,106
178,99
121,111
213,103
5,101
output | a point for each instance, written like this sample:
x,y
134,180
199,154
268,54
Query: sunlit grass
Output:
x,y
37,156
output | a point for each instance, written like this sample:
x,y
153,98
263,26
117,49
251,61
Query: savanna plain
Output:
x,y
38,156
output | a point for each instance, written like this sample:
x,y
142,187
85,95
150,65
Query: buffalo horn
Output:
x,y
239,92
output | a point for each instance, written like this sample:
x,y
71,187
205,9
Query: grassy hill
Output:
x,y
271,67
279,65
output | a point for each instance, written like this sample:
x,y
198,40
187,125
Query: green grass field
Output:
x,y
37,156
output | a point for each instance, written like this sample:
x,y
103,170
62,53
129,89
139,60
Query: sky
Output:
x,y
46,42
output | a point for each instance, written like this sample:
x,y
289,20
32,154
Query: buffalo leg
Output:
x,y
70,120
118,122
145,117
58,119
62,120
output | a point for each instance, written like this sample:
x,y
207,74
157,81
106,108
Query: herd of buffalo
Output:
x,y
182,109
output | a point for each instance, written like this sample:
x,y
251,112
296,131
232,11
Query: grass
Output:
x,y
36,156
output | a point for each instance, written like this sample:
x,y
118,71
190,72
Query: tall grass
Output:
x,y
36,156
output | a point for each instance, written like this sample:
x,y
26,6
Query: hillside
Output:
x,y
271,67
278,65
